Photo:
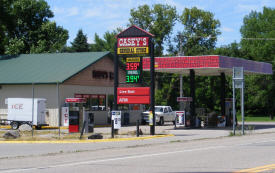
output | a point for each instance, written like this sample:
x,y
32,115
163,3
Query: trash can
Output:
x,y
198,122
89,127
126,118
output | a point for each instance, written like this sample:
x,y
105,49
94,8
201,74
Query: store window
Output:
x,y
87,98
102,102
134,107
98,102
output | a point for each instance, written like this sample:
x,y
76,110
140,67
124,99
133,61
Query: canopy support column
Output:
x,y
222,94
193,95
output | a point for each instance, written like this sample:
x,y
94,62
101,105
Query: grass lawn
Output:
x,y
250,117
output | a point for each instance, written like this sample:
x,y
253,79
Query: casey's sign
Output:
x,y
133,42
133,45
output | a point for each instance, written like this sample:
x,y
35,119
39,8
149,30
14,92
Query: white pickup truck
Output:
x,y
163,114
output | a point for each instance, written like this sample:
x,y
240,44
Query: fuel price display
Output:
x,y
133,69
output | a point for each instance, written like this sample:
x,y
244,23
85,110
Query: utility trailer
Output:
x,y
20,111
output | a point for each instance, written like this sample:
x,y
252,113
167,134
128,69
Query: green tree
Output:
x,y
232,50
259,28
65,49
200,31
51,38
99,44
27,20
159,20
5,25
107,43
14,47
80,43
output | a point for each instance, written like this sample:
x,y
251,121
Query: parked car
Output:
x,y
163,114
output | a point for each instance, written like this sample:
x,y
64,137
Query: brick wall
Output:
x,y
85,77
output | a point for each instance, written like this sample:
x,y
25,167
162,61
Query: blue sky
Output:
x,y
99,16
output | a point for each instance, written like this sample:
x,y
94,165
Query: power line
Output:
x,y
230,38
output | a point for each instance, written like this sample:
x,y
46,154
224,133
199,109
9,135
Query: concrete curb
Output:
x,y
46,127
51,127
89,141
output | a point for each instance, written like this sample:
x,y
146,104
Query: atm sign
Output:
x,y
133,99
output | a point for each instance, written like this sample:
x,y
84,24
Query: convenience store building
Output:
x,y
88,75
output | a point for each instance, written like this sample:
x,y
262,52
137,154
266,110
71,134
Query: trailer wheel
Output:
x,y
14,125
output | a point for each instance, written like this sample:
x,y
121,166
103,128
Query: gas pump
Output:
x,y
186,109
75,117
228,111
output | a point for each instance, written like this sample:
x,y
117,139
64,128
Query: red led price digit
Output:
x,y
131,66
127,66
136,66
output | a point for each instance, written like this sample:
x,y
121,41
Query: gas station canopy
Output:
x,y
207,65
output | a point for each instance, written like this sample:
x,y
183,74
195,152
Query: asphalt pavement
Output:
x,y
18,149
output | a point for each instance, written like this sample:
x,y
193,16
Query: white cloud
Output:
x,y
90,40
181,5
73,11
113,25
57,10
240,8
226,29
89,13
221,38
65,11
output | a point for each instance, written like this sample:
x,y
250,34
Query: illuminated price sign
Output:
x,y
133,69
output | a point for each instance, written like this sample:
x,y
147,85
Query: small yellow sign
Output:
x,y
151,122
132,50
133,59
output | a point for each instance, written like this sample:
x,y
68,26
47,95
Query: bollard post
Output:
x,y
176,121
137,128
112,128
82,130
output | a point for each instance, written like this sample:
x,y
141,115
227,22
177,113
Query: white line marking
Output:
x,y
256,142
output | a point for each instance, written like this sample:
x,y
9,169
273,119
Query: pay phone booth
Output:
x,y
75,117
89,118
183,118
229,111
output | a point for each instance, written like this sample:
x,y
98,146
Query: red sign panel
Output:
x,y
133,42
86,96
75,100
133,91
78,95
133,99
95,96
184,99
229,99
102,96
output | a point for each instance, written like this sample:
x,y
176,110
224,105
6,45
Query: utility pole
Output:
x,y
181,53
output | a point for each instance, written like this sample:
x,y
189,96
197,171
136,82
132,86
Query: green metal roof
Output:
x,y
45,68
